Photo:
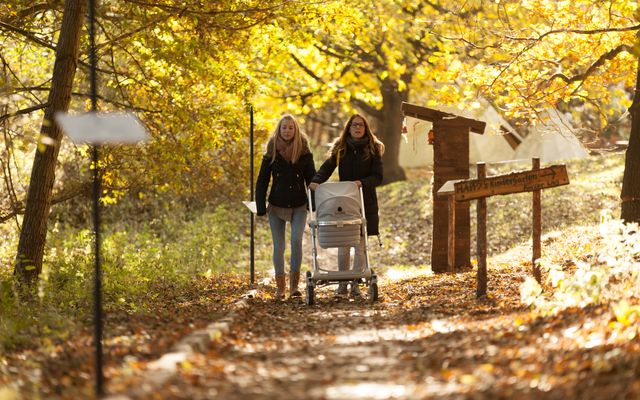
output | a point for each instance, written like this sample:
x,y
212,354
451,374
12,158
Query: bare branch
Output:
x,y
23,111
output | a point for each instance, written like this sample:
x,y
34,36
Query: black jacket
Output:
x,y
355,166
290,181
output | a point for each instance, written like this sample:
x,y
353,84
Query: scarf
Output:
x,y
284,148
356,143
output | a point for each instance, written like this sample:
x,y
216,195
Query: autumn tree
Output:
x,y
34,228
366,56
178,67
543,53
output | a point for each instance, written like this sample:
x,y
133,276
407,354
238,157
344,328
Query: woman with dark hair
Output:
x,y
357,154
289,162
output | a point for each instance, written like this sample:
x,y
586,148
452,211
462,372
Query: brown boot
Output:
x,y
294,278
281,286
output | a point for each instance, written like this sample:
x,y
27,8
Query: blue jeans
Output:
x,y
298,220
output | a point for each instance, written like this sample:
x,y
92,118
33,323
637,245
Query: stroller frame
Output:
x,y
319,277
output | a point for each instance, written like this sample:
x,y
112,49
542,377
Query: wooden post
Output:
x,y
537,227
481,240
450,162
451,251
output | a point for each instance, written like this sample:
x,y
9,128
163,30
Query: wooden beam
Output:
x,y
431,115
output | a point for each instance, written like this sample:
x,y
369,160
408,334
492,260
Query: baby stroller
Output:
x,y
338,221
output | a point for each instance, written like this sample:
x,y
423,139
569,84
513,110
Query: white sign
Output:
x,y
251,205
96,128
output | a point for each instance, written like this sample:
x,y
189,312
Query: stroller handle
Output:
x,y
313,214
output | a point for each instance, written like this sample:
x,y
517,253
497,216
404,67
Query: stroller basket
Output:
x,y
339,233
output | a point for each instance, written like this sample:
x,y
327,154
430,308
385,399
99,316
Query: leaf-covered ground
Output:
x,y
427,337
64,368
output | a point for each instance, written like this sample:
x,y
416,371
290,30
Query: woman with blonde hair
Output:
x,y
357,153
288,160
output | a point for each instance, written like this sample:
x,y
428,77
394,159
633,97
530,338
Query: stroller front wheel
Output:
x,y
309,297
373,292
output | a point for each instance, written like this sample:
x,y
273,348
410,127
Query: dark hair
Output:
x,y
339,145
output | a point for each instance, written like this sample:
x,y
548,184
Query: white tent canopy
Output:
x,y
552,140
493,146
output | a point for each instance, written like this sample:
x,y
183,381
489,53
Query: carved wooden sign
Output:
x,y
526,181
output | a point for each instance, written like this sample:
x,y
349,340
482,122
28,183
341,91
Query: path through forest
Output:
x,y
428,338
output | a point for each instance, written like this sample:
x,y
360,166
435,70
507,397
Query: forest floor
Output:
x,y
427,336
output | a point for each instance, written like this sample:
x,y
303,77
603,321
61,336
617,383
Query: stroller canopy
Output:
x,y
337,201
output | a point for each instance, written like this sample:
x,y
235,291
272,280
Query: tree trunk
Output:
x,y
631,181
390,129
34,228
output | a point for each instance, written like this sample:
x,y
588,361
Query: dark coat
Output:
x,y
355,166
290,181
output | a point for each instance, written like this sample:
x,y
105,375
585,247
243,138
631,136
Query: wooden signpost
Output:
x,y
516,182
481,188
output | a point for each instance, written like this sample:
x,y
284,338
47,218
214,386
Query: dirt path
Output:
x,y
428,338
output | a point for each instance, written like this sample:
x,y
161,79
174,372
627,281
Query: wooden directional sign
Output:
x,y
526,181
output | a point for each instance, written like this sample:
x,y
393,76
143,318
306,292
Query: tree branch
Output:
x,y
576,31
36,8
305,68
29,35
444,10
83,188
23,111
367,108
245,11
599,62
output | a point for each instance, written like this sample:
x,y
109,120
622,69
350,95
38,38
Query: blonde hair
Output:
x,y
299,140
339,146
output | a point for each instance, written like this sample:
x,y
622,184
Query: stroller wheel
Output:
x,y
373,292
309,295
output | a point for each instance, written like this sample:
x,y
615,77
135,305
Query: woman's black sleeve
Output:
x,y
309,170
375,178
325,171
264,176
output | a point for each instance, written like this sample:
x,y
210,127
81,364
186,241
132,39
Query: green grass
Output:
x,y
137,257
